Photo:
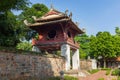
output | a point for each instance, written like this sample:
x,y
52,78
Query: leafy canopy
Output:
x,y
36,10
8,35
6,5
8,28
104,45
83,41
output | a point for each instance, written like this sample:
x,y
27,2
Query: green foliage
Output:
x,y
6,5
54,78
117,31
115,72
104,45
93,71
8,28
8,35
83,40
70,78
12,28
36,10
118,78
101,79
24,46
108,70
65,78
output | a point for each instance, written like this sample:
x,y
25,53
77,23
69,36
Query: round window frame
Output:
x,y
51,34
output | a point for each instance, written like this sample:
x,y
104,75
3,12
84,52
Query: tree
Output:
x,y
104,45
117,31
8,28
6,5
83,40
8,36
36,10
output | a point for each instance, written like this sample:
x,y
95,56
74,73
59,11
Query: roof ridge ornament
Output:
x,y
77,23
84,30
51,7
26,22
34,17
70,15
66,12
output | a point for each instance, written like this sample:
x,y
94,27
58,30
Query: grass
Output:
x,y
108,70
101,79
93,71
65,78
118,78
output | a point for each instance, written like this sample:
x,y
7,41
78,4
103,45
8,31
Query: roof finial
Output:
x,y
52,6
77,23
66,12
26,23
84,30
70,15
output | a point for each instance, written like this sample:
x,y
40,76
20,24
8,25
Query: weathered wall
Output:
x,y
88,64
14,65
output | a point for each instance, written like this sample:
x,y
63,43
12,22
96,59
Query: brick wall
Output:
x,y
15,65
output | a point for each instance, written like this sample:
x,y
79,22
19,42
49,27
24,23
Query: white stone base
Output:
x,y
65,51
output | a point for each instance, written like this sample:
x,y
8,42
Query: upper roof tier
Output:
x,y
51,17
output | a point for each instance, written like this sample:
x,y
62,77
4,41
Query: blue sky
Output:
x,y
93,15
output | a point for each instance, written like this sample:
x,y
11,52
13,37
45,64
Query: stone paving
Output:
x,y
98,75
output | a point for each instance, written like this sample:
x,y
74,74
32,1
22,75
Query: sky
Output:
x,y
93,15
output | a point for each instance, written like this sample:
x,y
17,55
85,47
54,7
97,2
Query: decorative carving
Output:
x,y
70,16
26,22
77,23
52,7
83,29
34,17
66,12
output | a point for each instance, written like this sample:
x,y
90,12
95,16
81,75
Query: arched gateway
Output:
x,y
56,32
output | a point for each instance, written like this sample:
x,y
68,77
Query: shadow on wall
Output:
x,y
28,67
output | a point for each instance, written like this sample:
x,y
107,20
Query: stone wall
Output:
x,y
88,64
15,65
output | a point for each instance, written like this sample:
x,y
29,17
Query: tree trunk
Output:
x,y
104,63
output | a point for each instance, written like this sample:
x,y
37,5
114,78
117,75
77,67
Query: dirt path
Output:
x,y
100,74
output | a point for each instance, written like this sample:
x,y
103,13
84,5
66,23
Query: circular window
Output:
x,y
52,34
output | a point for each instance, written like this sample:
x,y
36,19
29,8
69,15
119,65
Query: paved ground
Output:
x,y
100,74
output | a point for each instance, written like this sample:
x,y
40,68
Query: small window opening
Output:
x,y
51,34
69,34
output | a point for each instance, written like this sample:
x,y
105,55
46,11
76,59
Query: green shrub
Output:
x,y
70,78
118,78
24,46
101,79
65,78
93,71
105,69
115,72
54,78
108,71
